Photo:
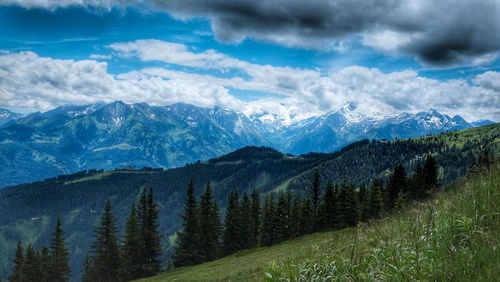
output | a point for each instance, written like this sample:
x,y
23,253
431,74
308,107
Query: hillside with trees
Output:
x,y
359,173
450,236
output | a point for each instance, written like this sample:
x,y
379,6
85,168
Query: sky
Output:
x,y
292,58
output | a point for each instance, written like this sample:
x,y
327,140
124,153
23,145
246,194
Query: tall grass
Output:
x,y
454,236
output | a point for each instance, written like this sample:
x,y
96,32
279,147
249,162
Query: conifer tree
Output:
x,y
59,258
417,189
45,264
88,270
398,183
364,202
267,235
343,199
289,199
351,207
282,218
255,220
18,263
187,250
306,216
430,173
315,202
295,215
209,226
148,226
376,198
105,261
131,248
31,267
232,225
328,209
246,221
400,201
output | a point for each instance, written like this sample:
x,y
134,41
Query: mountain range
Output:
x,y
74,138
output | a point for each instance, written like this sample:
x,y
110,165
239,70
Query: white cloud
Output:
x,y
386,40
54,4
308,92
27,80
39,83
489,80
100,57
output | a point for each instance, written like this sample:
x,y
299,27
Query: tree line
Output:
x,y
109,259
249,222
45,265
137,255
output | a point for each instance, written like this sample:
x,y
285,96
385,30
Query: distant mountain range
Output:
x,y
6,116
74,138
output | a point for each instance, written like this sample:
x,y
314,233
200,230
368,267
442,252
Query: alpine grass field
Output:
x,y
452,236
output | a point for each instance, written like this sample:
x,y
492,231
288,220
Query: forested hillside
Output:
x,y
453,236
29,211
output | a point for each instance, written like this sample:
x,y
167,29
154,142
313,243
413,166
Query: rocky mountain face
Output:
x,y
107,136
6,116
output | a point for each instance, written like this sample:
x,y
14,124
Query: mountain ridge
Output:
x,y
73,138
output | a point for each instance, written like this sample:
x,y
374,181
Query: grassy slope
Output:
x,y
454,236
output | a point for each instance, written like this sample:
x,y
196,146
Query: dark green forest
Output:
x,y
30,210
249,222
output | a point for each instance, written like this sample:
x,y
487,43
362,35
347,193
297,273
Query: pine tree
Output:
x,y
131,248
88,270
18,264
328,209
351,207
364,203
267,230
282,218
417,189
31,269
306,216
187,250
209,226
232,225
148,226
376,198
400,201
246,221
315,202
59,265
255,222
398,183
295,215
430,174
45,264
343,202
105,260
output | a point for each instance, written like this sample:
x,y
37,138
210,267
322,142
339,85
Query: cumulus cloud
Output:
x,y
54,4
40,83
489,80
446,32
100,57
30,81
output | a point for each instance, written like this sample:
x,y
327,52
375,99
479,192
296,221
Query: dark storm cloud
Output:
x,y
439,32
436,32
310,19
